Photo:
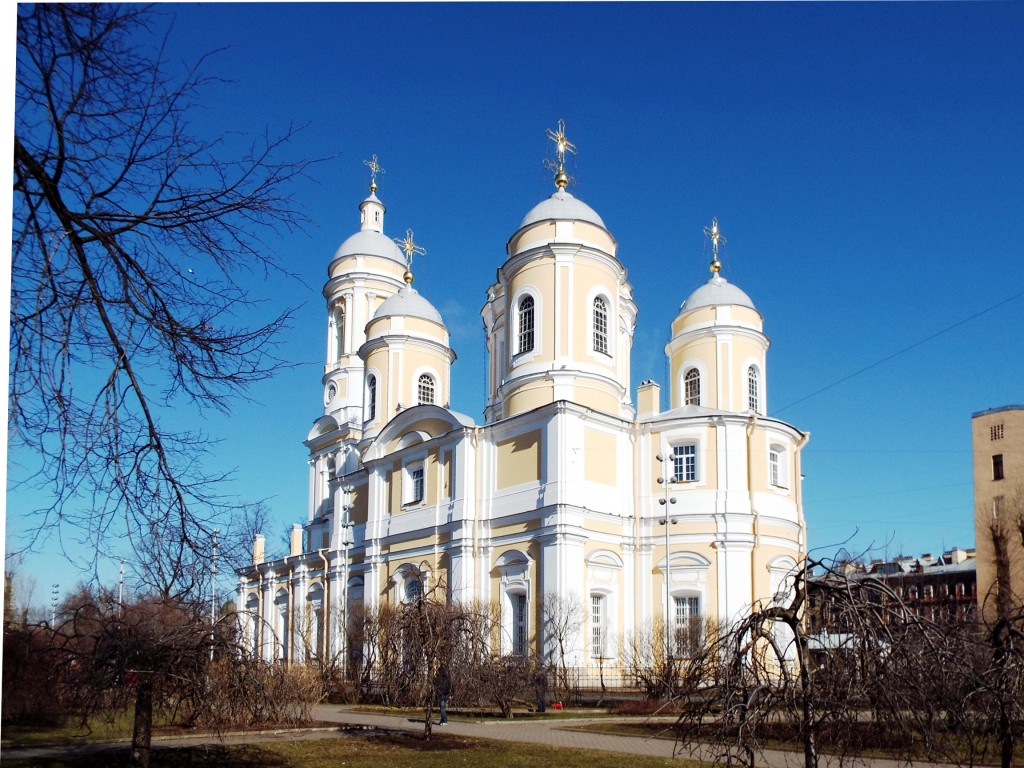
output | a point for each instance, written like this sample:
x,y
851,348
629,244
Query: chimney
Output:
x,y
295,547
648,399
257,549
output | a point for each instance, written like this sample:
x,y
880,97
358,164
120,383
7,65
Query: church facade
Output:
x,y
643,517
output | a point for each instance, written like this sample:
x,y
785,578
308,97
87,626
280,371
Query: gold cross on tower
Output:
x,y
562,145
411,249
716,238
375,168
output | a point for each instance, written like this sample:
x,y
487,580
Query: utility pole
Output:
x,y
666,502
120,588
213,588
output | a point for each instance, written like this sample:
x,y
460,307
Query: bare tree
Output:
x,y
776,676
562,617
129,234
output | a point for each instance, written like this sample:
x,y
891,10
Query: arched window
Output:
x,y
525,325
371,397
691,387
425,389
600,325
752,390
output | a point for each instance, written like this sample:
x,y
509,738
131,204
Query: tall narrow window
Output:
x,y
413,590
691,387
519,625
597,633
684,463
600,325
415,484
752,389
687,625
773,465
525,325
997,467
371,397
425,389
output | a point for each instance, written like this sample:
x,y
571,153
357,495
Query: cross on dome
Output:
x,y
562,145
375,168
716,238
411,249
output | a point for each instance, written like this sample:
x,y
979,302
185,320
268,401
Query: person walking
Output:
x,y
443,686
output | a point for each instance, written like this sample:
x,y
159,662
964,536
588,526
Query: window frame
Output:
x,y
599,326
426,383
526,325
684,454
753,389
692,375
998,470
371,397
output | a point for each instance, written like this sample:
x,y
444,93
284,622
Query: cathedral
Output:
x,y
571,487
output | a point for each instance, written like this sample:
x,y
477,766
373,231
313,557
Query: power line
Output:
x,y
900,352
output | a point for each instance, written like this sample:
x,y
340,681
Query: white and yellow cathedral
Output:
x,y
569,487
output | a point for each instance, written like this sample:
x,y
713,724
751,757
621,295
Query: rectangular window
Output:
x,y
773,465
997,467
997,507
687,625
413,490
519,645
684,463
597,633
995,432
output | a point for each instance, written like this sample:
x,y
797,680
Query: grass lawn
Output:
x,y
394,750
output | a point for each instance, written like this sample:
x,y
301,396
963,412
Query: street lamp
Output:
x,y
346,542
666,502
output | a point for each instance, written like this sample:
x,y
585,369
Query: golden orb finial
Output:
x,y
407,277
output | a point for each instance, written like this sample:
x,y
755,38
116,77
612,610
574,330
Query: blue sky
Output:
x,y
864,160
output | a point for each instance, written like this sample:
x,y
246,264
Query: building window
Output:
x,y
995,432
929,592
425,389
414,483
684,463
752,389
691,387
413,590
600,325
778,471
997,507
687,625
773,465
519,625
371,397
997,467
525,325
597,628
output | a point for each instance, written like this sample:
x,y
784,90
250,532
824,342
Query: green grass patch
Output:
x,y
391,750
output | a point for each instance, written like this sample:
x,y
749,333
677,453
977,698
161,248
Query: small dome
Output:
x,y
716,292
408,303
561,206
367,242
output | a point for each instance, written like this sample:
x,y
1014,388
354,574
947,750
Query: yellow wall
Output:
x,y
600,458
519,460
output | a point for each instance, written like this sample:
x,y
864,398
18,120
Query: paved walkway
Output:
x,y
553,732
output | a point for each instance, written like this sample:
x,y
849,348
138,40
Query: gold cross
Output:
x,y
562,144
375,168
716,238
410,247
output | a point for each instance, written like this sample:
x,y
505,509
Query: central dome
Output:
x,y
561,206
